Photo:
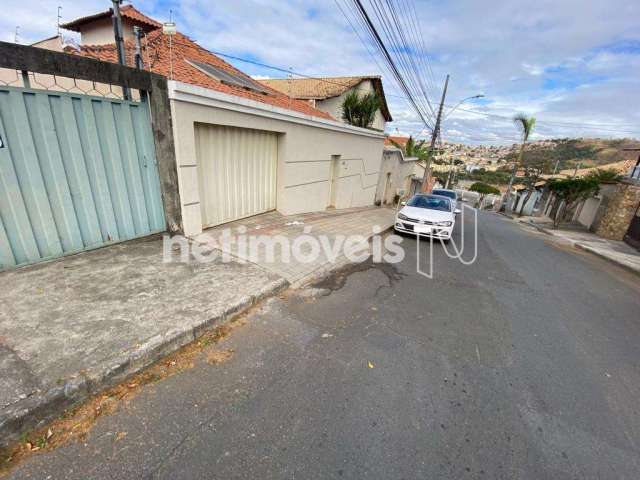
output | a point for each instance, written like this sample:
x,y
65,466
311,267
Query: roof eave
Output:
x,y
384,108
75,25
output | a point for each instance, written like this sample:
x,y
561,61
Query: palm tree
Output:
x,y
525,125
360,110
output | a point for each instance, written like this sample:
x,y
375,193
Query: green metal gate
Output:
x,y
76,172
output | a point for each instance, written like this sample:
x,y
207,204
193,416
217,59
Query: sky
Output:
x,y
573,64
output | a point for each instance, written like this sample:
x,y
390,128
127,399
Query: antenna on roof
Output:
x,y
169,28
15,35
289,78
59,18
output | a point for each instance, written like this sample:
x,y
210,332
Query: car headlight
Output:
x,y
402,217
444,224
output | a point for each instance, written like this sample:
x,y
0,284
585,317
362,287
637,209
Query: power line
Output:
x,y
373,57
289,71
371,54
395,68
541,122
404,50
424,57
398,43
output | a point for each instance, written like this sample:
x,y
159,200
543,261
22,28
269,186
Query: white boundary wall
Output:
x,y
310,151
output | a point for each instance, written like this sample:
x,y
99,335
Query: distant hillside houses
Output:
x,y
561,154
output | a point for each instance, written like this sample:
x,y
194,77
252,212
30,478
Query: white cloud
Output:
x,y
532,69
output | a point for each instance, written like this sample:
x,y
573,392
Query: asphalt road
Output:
x,y
522,365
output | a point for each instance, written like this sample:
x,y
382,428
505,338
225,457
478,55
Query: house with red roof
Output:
x,y
242,147
329,93
392,141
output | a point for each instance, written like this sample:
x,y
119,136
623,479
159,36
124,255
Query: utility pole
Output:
x,y
59,18
449,179
426,178
117,32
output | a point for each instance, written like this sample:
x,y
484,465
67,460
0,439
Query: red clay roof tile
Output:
x,y
156,58
127,11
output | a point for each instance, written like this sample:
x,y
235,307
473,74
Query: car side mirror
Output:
x,y
457,211
402,204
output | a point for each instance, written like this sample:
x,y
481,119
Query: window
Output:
x,y
430,202
228,78
445,193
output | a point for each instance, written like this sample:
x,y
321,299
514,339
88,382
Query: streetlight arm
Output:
x,y
461,102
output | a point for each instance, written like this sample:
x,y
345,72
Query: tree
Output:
x,y
491,177
569,191
360,110
413,148
483,189
525,125
605,175
441,177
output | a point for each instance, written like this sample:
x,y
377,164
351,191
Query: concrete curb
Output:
x,y
34,411
594,251
586,248
540,228
508,215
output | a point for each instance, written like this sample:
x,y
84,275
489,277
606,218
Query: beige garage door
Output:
x,y
237,172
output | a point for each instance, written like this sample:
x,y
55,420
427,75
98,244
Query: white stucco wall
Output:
x,y
54,43
305,149
588,211
395,176
333,106
100,32
528,208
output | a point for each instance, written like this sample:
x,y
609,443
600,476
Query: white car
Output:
x,y
428,215
444,192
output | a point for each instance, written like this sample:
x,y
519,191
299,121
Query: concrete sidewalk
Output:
x,y
71,327
614,251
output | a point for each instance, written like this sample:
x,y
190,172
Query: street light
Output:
x,y
462,101
448,183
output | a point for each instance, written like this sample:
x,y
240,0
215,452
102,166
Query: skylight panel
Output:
x,y
229,78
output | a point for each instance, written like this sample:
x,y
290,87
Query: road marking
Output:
x,y
478,353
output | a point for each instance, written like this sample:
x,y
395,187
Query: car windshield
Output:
x,y
430,202
445,193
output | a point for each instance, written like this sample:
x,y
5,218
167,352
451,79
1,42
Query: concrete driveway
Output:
x,y
329,224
